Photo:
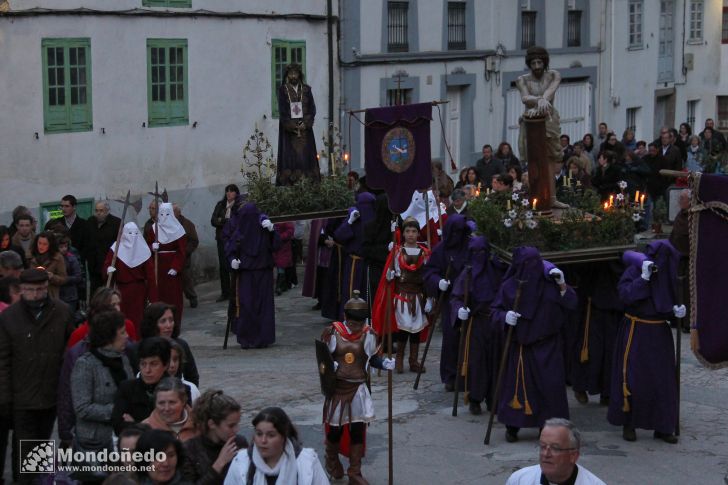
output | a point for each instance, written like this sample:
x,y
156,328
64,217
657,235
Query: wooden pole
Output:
x,y
461,345
431,330
678,347
427,219
156,235
118,239
433,103
388,333
502,368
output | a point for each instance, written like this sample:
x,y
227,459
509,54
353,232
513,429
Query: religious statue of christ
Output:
x,y
538,89
296,142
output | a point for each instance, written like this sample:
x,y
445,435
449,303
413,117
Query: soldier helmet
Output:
x,y
356,308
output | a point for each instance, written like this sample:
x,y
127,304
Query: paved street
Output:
x,y
431,446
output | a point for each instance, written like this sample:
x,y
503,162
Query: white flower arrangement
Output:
x,y
524,202
622,184
531,223
507,222
512,213
529,215
516,197
636,217
620,197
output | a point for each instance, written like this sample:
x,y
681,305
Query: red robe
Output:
x,y
169,288
434,226
136,286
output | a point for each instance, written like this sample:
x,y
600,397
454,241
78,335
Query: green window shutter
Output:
x,y
167,84
284,52
67,85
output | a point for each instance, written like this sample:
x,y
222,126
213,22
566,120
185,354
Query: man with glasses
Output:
x,y
558,450
33,336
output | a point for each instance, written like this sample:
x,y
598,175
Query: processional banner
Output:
x,y
397,151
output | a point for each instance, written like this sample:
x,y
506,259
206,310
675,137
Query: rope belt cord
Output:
x,y
584,356
625,390
521,376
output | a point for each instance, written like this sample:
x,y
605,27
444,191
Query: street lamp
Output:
x,y
493,62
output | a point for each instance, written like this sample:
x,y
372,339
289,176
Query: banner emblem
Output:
x,y
398,149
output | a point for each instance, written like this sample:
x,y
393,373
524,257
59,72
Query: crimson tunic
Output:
x,y
169,288
136,286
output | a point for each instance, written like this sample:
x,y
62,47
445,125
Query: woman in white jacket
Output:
x,y
276,456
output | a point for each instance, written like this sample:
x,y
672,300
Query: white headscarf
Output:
x,y
416,208
286,469
133,248
168,227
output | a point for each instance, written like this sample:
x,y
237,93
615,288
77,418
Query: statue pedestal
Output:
x,y
540,178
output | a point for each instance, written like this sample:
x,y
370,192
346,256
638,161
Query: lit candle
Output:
x,y
564,181
346,158
533,207
636,196
478,188
509,204
606,205
578,183
487,191
642,202
611,200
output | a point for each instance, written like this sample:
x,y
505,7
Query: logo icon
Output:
x,y
398,149
37,456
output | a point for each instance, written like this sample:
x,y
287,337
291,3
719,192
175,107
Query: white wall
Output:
x,y
229,72
317,7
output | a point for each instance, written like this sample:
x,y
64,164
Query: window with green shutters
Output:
x,y
285,52
167,3
66,85
167,82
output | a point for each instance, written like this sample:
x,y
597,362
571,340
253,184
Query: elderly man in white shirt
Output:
x,y
559,445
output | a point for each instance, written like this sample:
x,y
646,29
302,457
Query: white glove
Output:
x,y
172,272
390,246
428,305
353,216
558,276
512,318
388,364
110,270
390,275
155,246
647,270
439,232
463,313
393,227
267,224
235,264
443,285
336,366
679,310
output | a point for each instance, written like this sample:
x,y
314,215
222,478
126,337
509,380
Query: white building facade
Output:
x,y
101,97
630,63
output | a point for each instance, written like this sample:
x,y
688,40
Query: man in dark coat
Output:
x,y
488,166
74,224
644,388
102,228
445,264
534,381
224,210
330,292
296,141
33,335
249,251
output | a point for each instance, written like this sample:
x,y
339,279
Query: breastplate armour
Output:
x,y
351,359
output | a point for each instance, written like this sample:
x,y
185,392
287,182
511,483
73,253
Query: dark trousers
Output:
x,y
224,270
6,427
188,284
356,432
32,424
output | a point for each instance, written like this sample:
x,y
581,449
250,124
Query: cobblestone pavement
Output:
x,y
431,446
